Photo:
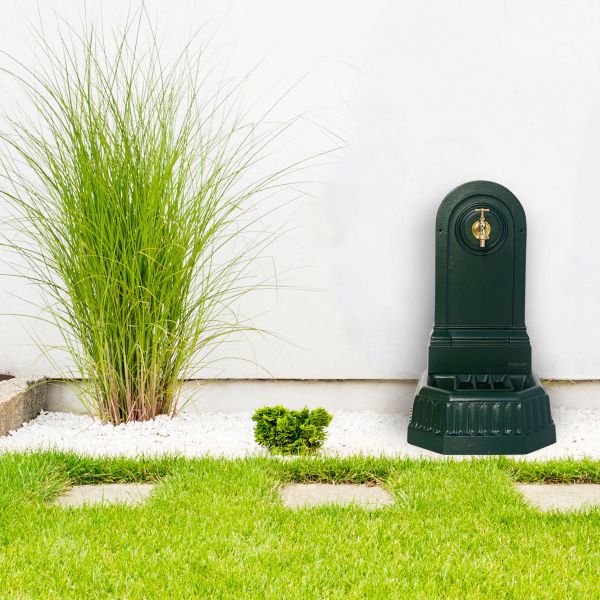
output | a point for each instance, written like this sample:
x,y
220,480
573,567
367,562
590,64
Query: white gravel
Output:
x,y
232,435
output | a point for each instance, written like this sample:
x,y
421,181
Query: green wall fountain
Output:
x,y
479,395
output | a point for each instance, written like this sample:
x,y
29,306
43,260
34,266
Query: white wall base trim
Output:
x,y
386,396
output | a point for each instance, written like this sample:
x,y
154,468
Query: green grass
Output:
x,y
215,528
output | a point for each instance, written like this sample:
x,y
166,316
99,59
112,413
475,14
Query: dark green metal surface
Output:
x,y
478,395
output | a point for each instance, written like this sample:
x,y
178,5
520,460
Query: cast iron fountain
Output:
x,y
478,394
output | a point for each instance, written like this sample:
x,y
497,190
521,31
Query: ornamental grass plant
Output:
x,y
135,200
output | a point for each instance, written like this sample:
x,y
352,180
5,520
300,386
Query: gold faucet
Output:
x,y
481,229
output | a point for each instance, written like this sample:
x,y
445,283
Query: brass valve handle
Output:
x,y
481,228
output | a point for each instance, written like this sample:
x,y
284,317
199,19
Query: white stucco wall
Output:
x,y
429,95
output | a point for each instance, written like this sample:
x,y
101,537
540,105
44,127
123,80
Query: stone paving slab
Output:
x,y
112,493
298,495
561,496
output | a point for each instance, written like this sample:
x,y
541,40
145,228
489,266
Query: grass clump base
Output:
x,y
216,529
286,431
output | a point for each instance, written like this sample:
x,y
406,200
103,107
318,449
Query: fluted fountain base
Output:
x,y
481,414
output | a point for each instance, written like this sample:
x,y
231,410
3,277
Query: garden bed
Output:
x,y
232,435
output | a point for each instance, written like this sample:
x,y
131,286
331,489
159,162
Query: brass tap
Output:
x,y
481,228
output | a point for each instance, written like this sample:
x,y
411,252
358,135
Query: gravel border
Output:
x,y
232,435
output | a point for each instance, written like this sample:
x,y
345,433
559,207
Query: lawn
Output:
x,y
216,529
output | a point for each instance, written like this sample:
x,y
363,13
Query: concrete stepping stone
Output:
x,y
298,495
111,493
555,496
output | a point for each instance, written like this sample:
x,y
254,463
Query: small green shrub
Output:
x,y
291,431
